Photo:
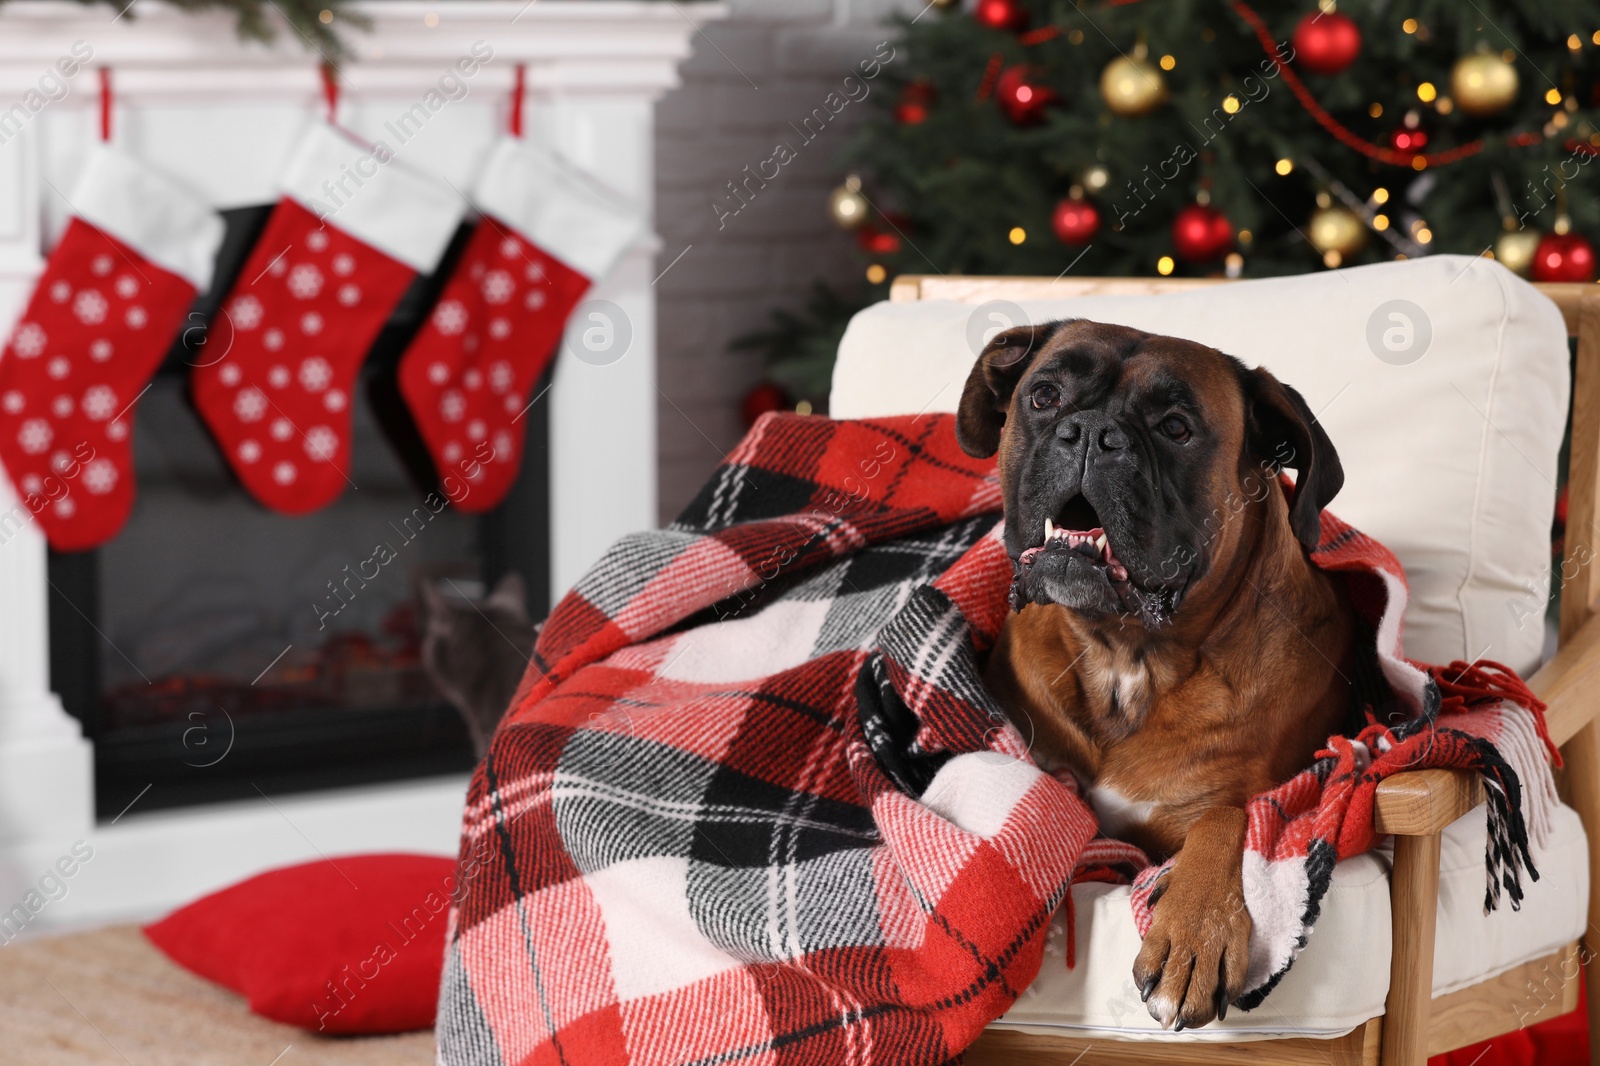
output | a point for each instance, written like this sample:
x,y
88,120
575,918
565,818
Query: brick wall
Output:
x,y
769,64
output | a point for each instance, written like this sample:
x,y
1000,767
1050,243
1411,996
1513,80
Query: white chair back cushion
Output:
x,y
1449,458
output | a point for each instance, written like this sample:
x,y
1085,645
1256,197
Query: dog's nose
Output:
x,y
1094,426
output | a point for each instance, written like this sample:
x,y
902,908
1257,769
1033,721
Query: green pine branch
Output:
x,y
962,180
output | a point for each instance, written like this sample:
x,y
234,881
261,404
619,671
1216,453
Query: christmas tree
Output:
x,y
1188,138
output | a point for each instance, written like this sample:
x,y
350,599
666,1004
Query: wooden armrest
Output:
x,y
1569,684
1423,802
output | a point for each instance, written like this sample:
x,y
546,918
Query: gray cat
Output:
x,y
475,653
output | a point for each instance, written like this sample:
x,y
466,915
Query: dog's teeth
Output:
x,y
1100,544
1049,530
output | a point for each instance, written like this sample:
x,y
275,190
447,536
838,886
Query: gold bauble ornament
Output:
x,y
1336,228
1483,83
846,204
1132,86
1514,250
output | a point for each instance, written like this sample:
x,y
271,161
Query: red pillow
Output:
x,y
346,945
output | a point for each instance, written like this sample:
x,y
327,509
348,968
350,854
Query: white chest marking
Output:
x,y
1116,811
1129,691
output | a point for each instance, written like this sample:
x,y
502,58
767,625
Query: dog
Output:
x,y
1172,643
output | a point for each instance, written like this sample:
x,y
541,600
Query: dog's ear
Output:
x,y
982,412
1283,431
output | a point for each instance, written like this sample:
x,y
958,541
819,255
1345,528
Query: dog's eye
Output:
x,y
1175,428
1045,395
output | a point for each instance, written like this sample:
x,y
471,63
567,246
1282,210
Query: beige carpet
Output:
x,y
108,997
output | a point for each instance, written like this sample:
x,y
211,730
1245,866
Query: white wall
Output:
x,y
794,52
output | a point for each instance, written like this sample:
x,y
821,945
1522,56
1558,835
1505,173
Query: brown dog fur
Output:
x,y
1173,728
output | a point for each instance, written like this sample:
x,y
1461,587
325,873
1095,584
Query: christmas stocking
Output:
x,y
548,232
353,228
109,304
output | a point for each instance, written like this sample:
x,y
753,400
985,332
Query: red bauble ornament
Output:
x,y
1326,43
1563,257
875,241
1201,233
1000,14
1022,100
762,399
1409,140
910,112
913,106
1075,221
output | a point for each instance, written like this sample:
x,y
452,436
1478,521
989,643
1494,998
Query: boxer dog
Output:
x,y
1172,644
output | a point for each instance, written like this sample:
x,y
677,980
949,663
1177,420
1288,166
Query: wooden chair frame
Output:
x,y
1414,807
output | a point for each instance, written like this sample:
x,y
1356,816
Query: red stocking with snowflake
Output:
x,y
352,230
548,232
107,307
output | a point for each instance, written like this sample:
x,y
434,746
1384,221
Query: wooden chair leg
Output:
x,y
1581,781
1414,900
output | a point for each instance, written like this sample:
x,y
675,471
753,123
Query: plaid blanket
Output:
x,y
753,803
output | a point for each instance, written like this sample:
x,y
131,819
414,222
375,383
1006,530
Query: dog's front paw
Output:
x,y
1193,961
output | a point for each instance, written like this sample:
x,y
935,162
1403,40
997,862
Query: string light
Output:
x,y
1409,25
1017,235
876,274
1552,96
1168,62
1285,167
1380,222
1376,110
1230,104
1426,92
1165,265
1380,195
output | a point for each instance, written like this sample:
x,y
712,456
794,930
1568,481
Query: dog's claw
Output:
x,y
1177,1026
1221,1000
1149,986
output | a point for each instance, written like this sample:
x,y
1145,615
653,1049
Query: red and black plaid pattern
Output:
x,y
752,802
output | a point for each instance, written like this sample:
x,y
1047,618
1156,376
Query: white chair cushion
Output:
x,y
1342,977
1449,460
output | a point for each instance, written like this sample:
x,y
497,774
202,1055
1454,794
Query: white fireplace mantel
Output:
x,y
222,115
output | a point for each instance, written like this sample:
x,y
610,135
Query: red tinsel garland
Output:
x,y
990,74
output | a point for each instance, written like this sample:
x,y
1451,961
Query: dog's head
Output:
x,y
1127,460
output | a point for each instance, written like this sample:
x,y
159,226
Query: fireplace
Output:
x,y
127,671
215,647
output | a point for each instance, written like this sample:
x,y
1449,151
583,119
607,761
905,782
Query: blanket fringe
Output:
x,y
1464,685
1524,742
